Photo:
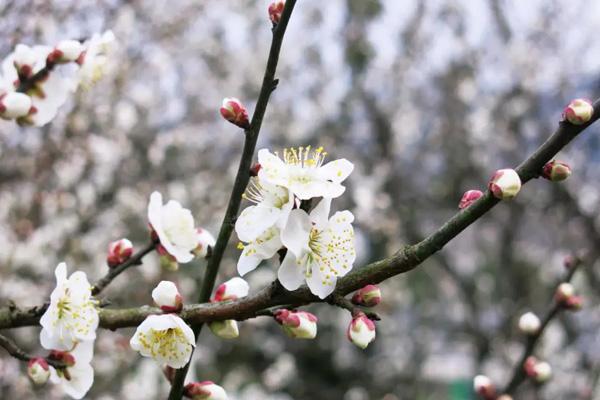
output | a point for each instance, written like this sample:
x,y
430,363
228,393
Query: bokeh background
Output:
x,y
426,97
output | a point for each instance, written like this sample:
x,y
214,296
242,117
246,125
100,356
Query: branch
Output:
x,y
519,374
241,181
112,273
18,353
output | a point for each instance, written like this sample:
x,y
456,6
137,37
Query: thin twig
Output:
x,y
241,181
342,302
18,353
112,273
519,374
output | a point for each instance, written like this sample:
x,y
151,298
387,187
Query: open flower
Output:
x,y
273,206
77,378
174,226
320,249
72,316
94,60
262,248
166,338
303,173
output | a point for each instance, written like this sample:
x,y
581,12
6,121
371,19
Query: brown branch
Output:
x,y
342,302
18,353
519,374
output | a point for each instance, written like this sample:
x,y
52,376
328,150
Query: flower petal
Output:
x,y
272,168
296,233
254,220
291,273
336,171
320,282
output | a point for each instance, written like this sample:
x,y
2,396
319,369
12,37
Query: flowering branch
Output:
x,y
519,374
241,180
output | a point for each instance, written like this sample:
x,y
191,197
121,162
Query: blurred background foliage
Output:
x,y
426,97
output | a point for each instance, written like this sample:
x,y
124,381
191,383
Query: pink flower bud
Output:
x,y
470,197
227,329
119,251
297,324
234,111
255,169
38,370
206,390
571,262
167,297
565,296
166,260
483,386
275,11
14,105
556,171
205,240
233,289
63,357
579,111
369,296
540,371
505,184
529,323
361,331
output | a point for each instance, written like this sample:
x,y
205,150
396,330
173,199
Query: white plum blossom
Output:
x,y
272,208
166,338
174,226
72,316
167,297
263,247
320,249
303,173
77,379
94,60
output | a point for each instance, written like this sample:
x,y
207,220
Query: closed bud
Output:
x,y
62,356
529,323
470,197
234,111
119,251
227,329
166,260
505,184
233,289
38,371
14,105
574,303
66,51
483,386
167,297
205,241
369,296
556,171
275,11
206,390
504,397
579,111
571,262
564,293
24,58
255,169
361,330
539,371
297,324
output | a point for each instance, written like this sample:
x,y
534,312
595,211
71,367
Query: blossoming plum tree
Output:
x,y
291,195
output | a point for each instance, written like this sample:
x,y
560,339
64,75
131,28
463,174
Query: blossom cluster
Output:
x,y
318,248
35,81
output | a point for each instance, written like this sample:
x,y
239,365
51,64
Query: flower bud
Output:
x,y
574,303
38,371
227,329
361,330
255,169
540,371
470,197
14,105
167,297
166,260
234,111
529,323
556,171
206,390
579,111
275,11
205,240
505,184
66,51
504,397
233,289
369,296
571,262
565,296
483,386
297,324
24,58
119,251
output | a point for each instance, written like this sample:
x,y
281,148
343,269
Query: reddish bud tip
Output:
x,y
255,169
470,197
275,11
556,171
